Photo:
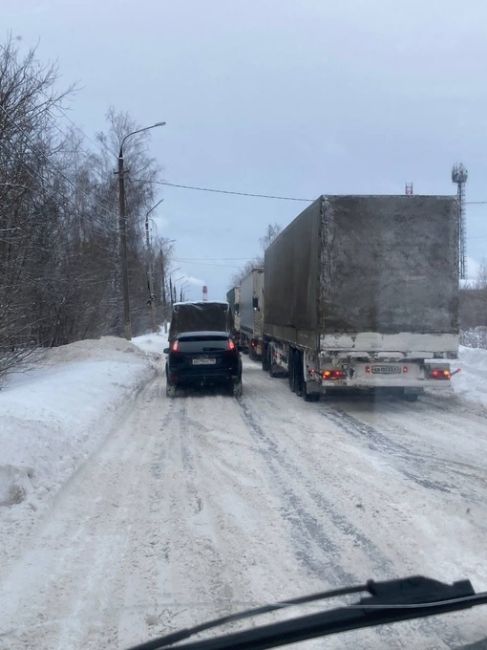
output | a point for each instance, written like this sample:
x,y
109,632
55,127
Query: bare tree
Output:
x,y
271,233
481,279
59,277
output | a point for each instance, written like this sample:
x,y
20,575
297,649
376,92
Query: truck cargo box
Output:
x,y
366,272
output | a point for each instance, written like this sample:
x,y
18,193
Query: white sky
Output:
x,y
293,97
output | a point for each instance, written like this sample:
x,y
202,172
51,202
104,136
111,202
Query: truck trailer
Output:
x,y
251,313
362,292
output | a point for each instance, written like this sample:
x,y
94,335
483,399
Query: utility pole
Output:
x,y
123,232
123,248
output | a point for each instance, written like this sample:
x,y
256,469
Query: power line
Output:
x,y
212,259
256,195
219,191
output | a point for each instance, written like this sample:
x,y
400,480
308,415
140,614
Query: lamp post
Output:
x,y
123,232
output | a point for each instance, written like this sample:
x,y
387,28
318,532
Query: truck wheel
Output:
x,y
237,389
410,396
311,396
292,385
298,373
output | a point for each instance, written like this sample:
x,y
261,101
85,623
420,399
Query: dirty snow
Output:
x,y
152,344
196,507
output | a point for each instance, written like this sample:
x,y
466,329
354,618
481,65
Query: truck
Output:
x,y
362,292
233,299
251,313
200,316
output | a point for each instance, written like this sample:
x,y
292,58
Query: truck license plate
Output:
x,y
386,370
204,361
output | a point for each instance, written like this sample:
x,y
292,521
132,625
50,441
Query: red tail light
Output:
x,y
175,346
440,373
230,345
333,374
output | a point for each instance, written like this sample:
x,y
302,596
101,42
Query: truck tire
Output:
x,y
273,370
311,396
298,373
292,385
411,396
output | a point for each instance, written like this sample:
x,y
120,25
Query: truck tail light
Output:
x,y
440,373
333,374
175,346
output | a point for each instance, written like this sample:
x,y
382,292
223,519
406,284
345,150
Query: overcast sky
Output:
x,y
288,97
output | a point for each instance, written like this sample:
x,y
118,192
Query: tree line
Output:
x,y
59,239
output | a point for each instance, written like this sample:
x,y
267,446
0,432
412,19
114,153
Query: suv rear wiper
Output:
x,y
389,601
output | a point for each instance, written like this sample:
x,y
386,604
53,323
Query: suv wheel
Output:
x,y
237,388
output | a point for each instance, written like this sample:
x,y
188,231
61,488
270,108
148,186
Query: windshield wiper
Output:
x,y
389,601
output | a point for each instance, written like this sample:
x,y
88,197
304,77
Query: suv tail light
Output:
x,y
230,345
175,346
333,374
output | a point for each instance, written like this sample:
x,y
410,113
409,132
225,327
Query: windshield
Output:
x,y
198,344
243,313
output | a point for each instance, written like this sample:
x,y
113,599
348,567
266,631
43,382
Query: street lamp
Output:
x,y
123,232
149,269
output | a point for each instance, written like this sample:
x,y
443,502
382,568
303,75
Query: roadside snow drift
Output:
x,y
471,382
49,415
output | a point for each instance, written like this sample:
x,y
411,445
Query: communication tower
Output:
x,y
459,176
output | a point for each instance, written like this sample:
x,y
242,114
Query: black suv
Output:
x,y
203,359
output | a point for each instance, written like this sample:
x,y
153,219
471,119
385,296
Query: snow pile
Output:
x,y
471,382
59,411
475,337
152,344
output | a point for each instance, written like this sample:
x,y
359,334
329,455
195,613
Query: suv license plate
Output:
x,y
386,370
204,361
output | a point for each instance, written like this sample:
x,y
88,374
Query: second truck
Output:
x,y
251,312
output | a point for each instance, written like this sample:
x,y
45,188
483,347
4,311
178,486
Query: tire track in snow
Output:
x,y
415,466
300,519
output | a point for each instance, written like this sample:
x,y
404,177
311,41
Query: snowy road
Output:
x,y
202,505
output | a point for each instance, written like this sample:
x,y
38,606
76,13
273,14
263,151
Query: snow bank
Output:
x,y
152,344
475,337
56,413
471,382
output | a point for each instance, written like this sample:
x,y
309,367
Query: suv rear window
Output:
x,y
198,344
